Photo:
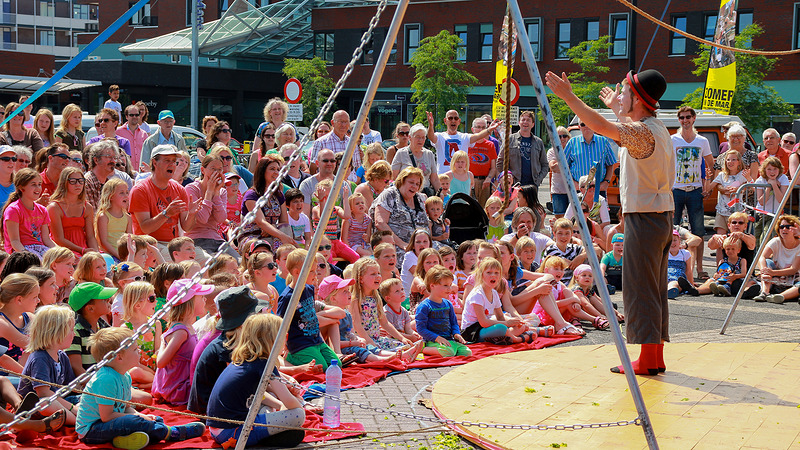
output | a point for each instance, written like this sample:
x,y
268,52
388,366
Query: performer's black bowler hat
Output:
x,y
648,85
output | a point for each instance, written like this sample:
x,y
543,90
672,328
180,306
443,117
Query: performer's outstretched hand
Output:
x,y
559,85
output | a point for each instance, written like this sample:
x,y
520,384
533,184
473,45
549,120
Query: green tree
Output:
x,y
754,102
590,56
317,83
440,83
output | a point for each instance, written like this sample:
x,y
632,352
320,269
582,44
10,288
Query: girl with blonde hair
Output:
x,y
139,303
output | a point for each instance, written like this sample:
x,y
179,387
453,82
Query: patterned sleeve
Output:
x,y
637,138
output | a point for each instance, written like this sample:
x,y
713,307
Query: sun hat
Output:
x,y
332,283
235,305
194,289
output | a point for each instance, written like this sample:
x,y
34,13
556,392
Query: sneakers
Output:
x,y
133,441
723,290
673,293
762,297
775,298
751,292
714,288
184,432
688,287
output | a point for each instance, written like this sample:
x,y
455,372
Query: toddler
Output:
x,y
435,319
444,181
440,228
359,226
298,220
112,220
391,291
563,247
583,287
497,223
611,264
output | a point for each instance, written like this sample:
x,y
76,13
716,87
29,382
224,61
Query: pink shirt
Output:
x,y
209,214
30,224
137,140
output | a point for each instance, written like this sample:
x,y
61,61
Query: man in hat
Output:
x,y
164,135
234,306
647,173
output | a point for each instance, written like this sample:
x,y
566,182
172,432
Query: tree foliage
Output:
x,y
754,102
317,83
440,83
590,56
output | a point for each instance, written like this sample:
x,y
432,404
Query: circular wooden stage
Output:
x,y
725,396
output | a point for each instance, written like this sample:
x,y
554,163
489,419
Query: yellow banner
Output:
x,y
721,82
500,74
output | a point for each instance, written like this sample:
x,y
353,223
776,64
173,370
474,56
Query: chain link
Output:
x,y
463,423
250,217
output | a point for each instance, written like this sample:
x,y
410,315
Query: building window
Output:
x,y
393,54
677,43
562,38
47,37
618,29
710,22
534,28
592,29
47,8
796,27
368,55
323,46
486,42
413,34
461,49
142,16
745,19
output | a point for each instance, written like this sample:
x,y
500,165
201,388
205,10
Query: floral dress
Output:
x,y
369,320
147,347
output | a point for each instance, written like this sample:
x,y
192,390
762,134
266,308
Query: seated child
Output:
x,y
298,220
358,228
139,304
391,291
440,228
449,261
564,247
732,268
101,421
436,320
679,264
123,274
51,332
336,293
91,303
569,307
583,287
526,253
181,249
332,227
427,259
479,326
611,264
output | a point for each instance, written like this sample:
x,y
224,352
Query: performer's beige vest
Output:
x,y
646,184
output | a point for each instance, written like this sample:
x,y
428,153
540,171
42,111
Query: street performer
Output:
x,y
647,174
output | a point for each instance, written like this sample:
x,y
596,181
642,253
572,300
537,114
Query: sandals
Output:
x,y
572,331
702,275
577,324
548,331
528,337
55,421
600,323
27,403
348,360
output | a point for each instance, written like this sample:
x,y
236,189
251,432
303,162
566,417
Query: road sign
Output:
x,y
514,91
295,112
501,114
293,90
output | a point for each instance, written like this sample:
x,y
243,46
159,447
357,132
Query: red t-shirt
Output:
x,y
145,196
481,157
782,154
47,186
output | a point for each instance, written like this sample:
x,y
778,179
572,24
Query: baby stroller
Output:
x,y
468,220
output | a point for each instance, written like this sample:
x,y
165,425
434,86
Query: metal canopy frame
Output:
x,y
16,83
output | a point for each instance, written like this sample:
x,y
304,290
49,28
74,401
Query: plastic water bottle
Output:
x,y
333,387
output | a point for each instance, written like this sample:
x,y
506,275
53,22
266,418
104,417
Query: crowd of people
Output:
x,y
99,235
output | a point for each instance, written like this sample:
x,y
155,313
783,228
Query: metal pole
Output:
x,y
195,57
764,240
536,80
280,340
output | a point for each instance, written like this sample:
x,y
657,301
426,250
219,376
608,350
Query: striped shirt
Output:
x,y
80,342
582,156
333,143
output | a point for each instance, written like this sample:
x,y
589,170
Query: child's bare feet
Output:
x,y
411,354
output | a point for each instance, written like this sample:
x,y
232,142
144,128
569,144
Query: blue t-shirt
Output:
x,y
5,192
525,144
279,284
41,366
304,329
107,382
436,319
233,390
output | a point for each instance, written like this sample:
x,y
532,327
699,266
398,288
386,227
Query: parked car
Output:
x,y
87,121
708,124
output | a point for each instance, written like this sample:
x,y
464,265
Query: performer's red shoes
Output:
x,y
647,364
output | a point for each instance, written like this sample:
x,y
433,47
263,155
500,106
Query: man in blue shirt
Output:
x,y
165,135
586,151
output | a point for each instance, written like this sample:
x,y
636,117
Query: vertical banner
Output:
x,y
501,71
721,81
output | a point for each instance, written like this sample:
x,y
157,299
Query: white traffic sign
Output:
x,y
293,90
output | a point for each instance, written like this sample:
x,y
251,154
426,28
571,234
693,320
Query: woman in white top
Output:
x,y
416,155
780,262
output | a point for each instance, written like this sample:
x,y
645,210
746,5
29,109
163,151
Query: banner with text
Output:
x,y
721,81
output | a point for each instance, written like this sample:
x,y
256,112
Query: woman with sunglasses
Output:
x,y
15,133
780,262
401,134
220,135
71,216
106,122
275,113
8,161
272,219
267,144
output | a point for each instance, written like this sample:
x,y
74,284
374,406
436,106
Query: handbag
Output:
x,y
428,191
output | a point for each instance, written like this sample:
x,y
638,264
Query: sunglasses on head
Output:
x,y
9,158
151,299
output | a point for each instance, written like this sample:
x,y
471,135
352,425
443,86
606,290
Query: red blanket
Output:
x,y
352,377
67,438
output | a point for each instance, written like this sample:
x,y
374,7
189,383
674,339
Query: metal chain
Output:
x,y
250,217
463,423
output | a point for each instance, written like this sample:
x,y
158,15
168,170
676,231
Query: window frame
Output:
x,y
537,50
707,16
407,53
612,18
795,25
675,38
460,30
482,35
586,28
560,41
326,50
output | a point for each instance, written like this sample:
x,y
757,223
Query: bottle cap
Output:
x,y
334,362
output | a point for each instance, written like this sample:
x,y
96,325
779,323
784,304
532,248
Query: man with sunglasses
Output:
x,y
8,159
131,131
452,140
692,152
57,160
326,162
164,135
